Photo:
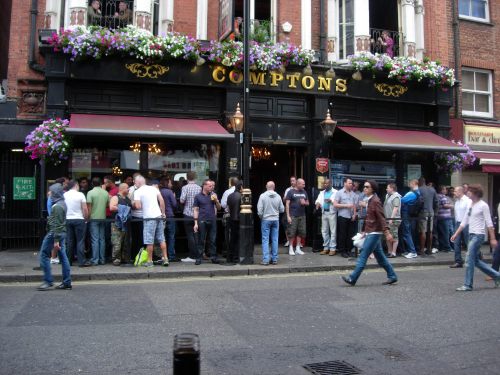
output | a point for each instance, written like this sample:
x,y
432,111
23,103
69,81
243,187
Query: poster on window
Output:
x,y
226,17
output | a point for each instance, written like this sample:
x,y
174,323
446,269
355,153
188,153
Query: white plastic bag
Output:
x,y
358,240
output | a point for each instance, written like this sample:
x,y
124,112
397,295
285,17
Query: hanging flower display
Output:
x,y
448,163
48,141
404,69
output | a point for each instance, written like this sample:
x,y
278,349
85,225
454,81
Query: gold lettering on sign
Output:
x,y
275,78
219,74
293,78
258,78
308,82
324,84
147,71
235,76
341,85
390,90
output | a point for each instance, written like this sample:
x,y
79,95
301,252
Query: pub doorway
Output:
x,y
274,163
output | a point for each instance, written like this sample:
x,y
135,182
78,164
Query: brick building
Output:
x,y
112,110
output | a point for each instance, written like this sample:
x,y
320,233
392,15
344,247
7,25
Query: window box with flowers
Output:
x,y
49,142
448,163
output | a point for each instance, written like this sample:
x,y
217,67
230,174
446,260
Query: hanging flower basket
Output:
x,y
447,162
49,141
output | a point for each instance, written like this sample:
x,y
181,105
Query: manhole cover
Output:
x,y
332,368
393,354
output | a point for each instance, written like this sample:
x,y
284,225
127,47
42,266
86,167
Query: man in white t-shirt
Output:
x,y
149,200
76,214
477,217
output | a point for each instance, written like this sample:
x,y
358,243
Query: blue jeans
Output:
x,y
407,234
207,228
373,244
97,240
45,255
472,260
444,228
269,228
457,246
170,229
75,238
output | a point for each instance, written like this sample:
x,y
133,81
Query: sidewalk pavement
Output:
x,y
17,266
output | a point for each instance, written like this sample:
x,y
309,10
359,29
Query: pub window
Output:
x,y
474,9
477,93
385,18
110,13
262,28
346,28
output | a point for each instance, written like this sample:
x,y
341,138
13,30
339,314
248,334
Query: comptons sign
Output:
x,y
292,80
482,136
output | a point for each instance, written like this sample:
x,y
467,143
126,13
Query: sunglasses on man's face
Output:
x,y
367,187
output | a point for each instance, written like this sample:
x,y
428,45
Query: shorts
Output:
x,y
394,228
297,227
153,232
423,219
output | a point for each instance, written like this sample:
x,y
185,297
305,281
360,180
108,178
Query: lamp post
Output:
x,y
328,125
246,93
237,124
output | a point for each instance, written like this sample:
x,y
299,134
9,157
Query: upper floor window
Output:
x,y
474,9
477,93
346,28
110,13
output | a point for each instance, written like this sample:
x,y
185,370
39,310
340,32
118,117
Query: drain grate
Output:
x,y
332,368
393,354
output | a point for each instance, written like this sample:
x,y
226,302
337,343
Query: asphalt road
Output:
x,y
255,325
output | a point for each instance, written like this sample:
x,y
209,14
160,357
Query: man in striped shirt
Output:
x,y
188,193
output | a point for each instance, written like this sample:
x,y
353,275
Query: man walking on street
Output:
x,y
426,217
149,200
407,202
462,204
296,203
477,217
76,214
97,202
233,203
188,193
55,239
324,202
392,210
345,202
205,207
269,208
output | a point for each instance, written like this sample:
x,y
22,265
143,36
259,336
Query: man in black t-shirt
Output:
x,y
296,201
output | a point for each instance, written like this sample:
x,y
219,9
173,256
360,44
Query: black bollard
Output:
x,y
246,228
186,354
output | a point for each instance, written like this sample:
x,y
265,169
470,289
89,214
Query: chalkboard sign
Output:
x,y
24,188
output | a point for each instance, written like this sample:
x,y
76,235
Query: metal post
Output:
x,y
42,197
246,228
245,157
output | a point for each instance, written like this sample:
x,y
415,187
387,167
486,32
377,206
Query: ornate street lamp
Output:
x,y
328,125
237,120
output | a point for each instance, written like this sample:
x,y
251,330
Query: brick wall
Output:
x,y
185,15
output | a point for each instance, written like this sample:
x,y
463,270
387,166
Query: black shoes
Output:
x,y
198,262
348,280
345,255
390,281
63,286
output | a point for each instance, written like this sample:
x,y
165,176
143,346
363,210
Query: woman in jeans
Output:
x,y
374,228
476,217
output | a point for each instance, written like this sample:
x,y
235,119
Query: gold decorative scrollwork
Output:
x,y
147,71
391,90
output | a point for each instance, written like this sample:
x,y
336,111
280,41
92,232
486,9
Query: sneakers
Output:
x,y
164,262
290,251
497,282
274,262
348,280
188,260
464,288
410,256
287,243
148,264
298,251
45,286
324,252
434,250
63,286
54,260
333,253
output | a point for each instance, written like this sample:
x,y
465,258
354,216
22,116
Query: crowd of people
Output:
x,y
140,214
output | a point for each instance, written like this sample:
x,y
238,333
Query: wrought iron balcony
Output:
x,y
381,43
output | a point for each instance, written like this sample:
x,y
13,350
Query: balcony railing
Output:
x,y
383,39
114,14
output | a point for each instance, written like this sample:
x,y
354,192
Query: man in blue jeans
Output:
x,y
170,207
462,204
269,208
477,217
408,200
205,207
55,239
97,202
